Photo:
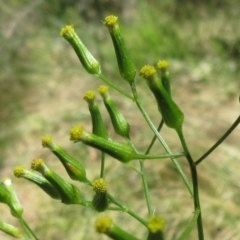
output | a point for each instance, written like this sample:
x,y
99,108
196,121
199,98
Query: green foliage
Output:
x,y
29,61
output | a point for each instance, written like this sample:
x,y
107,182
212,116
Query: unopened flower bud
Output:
x,y
120,124
68,193
9,197
165,76
100,199
11,230
122,152
40,181
98,126
125,62
172,115
156,226
74,168
106,226
90,64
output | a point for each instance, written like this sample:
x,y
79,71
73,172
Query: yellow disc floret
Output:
x,y
67,31
156,224
18,171
100,185
46,141
103,89
103,224
76,133
163,65
37,163
89,95
110,20
147,71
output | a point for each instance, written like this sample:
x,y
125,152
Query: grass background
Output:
x,y
42,84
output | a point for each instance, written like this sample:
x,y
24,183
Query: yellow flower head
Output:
x,y
103,89
89,95
100,185
37,164
76,133
46,141
163,65
18,171
156,224
67,31
103,224
147,71
110,21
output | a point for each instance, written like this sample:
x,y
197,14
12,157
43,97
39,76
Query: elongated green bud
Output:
x,y
11,230
9,197
172,115
98,126
74,168
120,124
125,62
100,200
156,226
90,64
68,193
106,226
120,151
165,76
40,181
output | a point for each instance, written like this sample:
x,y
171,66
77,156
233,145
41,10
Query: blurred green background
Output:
x,y
42,84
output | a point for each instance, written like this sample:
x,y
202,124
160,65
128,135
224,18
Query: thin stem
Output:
x,y
161,156
224,136
106,80
161,140
144,180
146,189
27,228
154,137
193,169
190,227
127,210
102,165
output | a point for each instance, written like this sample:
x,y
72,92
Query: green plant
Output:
x,y
158,81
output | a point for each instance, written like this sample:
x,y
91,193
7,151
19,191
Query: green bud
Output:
x,y
106,226
165,76
9,197
171,113
155,226
120,124
100,200
125,62
98,125
11,230
122,152
40,181
74,168
90,64
68,193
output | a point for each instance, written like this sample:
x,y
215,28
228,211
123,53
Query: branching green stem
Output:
x,y
27,229
161,140
193,169
102,165
110,83
127,210
224,136
144,181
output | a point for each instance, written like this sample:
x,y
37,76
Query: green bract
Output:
x,y
98,126
90,64
171,113
68,193
120,124
125,63
74,168
40,181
